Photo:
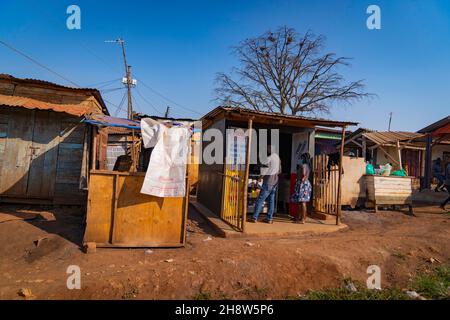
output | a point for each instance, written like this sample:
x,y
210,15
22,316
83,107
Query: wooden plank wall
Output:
x,y
122,216
41,155
70,160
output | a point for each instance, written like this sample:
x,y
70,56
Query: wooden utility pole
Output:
x,y
128,84
166,115
129,80
390,120
128,77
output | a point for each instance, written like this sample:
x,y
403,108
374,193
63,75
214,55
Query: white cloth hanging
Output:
x,y
166,172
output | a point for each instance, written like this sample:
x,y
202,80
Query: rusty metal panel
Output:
x,y
29,103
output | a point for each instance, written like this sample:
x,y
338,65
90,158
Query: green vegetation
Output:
x,y
203,295
435,285
432,285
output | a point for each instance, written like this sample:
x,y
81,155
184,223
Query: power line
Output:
x,y
38,63
167,99
121,104
111,90
103,83
148,102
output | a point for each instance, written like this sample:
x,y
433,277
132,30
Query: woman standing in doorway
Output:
x,y
302,191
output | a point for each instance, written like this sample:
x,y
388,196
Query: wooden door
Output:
x,y
16,153
43,155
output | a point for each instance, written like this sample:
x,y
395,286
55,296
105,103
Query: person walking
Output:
x,y
303,189
437,173
269,186
447,185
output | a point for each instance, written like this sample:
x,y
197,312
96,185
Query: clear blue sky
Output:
x,y
176,47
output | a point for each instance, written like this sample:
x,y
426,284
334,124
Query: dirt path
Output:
x,y
219,268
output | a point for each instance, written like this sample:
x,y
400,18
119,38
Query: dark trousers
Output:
x,y
448,198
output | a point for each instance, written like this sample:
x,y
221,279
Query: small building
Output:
x,y
401,149
437,142
223,185
44,144
118,214
327,140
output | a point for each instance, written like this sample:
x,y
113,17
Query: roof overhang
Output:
x,y
29,103
241,114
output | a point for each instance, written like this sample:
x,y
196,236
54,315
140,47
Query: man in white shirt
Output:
x,y
269,187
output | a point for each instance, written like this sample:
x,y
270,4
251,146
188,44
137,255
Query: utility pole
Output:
x,y
128,81
390,120
166,115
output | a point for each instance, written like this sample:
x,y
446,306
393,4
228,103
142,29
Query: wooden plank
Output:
x,y
42,172
16,161
339,191
142,218
247,169
99,209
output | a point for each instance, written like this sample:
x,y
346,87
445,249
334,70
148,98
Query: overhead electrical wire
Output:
x,y
167,99
148,102
38,63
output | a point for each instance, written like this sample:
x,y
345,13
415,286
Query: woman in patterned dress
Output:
x,y
302,191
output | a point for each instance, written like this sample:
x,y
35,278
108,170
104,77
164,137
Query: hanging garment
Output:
x,y
166,171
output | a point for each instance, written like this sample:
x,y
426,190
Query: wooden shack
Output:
x,y
118,214
44,146
223,185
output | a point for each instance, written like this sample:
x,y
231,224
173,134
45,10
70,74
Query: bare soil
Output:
x,y
38,244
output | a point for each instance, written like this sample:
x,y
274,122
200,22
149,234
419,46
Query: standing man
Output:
x,y
269,186
447,185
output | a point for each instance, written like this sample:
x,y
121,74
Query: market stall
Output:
x,y
133,208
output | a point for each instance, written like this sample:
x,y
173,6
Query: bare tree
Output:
x,y
286,73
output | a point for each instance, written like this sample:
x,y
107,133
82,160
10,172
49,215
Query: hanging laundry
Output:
x,y
166,172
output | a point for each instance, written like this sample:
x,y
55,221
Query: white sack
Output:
x,y
166,171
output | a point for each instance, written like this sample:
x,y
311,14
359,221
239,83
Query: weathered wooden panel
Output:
x,y
353,187
45,142
389,190
16,157
121,216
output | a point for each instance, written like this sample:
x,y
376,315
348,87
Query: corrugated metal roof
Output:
x,y
92,91
29,103
389,137
109,121
317,121
434,126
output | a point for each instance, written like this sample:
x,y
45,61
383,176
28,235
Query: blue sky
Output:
x,y
176,48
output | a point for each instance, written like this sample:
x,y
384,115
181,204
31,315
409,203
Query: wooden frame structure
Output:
x,y
119,215
215,175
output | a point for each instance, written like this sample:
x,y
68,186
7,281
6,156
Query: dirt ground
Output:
x,y
213,267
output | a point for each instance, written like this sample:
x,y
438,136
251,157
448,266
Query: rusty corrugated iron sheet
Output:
x,y
29,103
108,121
315,121
94,92
391,137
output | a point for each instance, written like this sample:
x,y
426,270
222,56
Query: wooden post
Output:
x,y
364,148
427,182
339,195
247,169
399,155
